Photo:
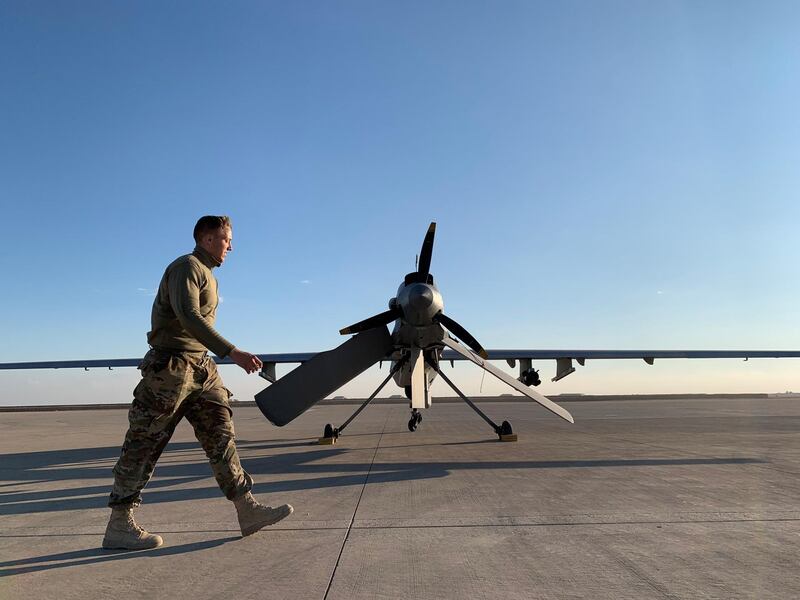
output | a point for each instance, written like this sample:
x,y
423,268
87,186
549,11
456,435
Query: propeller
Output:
x,y
422,274
383,318
424,265
419,302
462,334
505,377
326,372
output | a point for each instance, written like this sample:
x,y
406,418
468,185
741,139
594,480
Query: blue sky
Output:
x,y
603,175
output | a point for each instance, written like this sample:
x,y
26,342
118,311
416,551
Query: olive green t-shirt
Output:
x,y
185,307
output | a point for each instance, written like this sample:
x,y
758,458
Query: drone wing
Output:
x,y
564,358
113,363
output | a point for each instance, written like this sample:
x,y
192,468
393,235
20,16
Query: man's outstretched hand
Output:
x,y
249,362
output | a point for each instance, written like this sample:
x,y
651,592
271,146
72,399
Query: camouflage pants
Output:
x,y
173,386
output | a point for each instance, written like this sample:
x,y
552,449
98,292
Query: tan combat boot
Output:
x,y
254,516
123,533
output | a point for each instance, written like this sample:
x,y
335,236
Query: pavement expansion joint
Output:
x,y
355,511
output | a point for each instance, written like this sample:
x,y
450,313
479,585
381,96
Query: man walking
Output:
x,y
179,380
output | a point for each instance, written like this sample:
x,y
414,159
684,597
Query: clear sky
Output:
x,y
603,175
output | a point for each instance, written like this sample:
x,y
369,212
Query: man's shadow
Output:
x,y
78,558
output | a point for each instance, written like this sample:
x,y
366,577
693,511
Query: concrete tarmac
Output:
x,y
639,499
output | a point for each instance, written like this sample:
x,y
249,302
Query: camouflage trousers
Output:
x,y
176,385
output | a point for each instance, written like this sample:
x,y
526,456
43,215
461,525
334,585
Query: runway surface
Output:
x,y
639,499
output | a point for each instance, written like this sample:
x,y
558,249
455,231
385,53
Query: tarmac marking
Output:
x,y
445,526
573,524
358,503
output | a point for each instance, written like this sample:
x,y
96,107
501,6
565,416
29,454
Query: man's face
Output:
x,y
218,243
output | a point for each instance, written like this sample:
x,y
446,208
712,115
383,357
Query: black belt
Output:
x,y
176,352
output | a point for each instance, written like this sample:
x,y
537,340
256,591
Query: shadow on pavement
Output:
x,y
89,556
311,468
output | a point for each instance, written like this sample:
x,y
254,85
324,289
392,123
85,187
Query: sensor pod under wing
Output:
x,y
300,389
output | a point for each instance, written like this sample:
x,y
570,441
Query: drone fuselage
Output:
x,y
416,330
421,329
419,301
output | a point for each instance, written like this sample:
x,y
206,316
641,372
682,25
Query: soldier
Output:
x,y
179,380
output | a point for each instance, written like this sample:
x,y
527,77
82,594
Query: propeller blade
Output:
x,y
382,319
505,377
326,372
425,254
461,333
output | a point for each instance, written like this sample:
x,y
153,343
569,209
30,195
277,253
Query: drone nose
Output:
x,y
420,296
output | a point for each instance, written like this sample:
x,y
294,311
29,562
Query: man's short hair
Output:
x,y
208,224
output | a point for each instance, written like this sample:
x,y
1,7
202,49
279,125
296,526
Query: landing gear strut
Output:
x,y
330,434
504,431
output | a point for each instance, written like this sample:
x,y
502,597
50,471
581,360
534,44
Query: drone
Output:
x,y
422,333
423,337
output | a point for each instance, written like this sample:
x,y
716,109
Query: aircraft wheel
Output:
x,y
328,433
505,428
412,424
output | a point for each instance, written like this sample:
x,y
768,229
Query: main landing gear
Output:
x,y
330,434
504,431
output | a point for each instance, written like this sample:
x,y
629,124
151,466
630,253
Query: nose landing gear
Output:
x,y
416,419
